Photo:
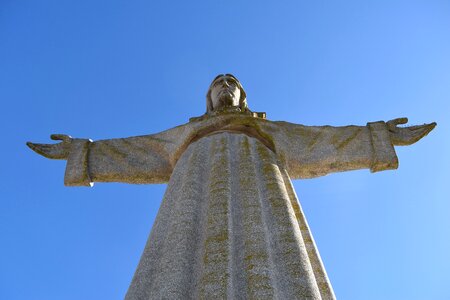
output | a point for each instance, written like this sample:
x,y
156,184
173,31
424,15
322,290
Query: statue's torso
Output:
x,y
228,227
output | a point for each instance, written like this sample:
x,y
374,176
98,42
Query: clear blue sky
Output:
x,y
103,69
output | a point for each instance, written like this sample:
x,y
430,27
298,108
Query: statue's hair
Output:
x,y
242,100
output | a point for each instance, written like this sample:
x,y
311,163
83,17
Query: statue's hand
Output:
x,y
403,136
54,151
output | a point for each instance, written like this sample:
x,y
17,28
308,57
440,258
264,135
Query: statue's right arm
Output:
x,y
140,159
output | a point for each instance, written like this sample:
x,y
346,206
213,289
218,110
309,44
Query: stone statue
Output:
x,y
230,225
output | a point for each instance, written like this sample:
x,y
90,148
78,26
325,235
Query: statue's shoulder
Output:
x,y
283,125
229,112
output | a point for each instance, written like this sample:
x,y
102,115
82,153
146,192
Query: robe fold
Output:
x,y
230,225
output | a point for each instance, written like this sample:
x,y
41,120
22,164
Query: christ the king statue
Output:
x,y
230,225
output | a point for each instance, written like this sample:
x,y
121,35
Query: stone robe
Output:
x,y
230,225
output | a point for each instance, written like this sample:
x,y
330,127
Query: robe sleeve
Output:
x,y
140,159
312,151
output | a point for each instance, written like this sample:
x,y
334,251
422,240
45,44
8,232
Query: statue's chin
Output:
x,y
226,101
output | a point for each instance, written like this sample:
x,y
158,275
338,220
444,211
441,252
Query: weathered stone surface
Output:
x,y
230,225
307,151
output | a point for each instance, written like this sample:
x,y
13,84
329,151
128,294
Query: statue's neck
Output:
x,y
226,110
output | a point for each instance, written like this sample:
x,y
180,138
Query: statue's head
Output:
x,y
225,91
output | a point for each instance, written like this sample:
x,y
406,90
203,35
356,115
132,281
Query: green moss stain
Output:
x,y
341,145
286,247
214,281
256,259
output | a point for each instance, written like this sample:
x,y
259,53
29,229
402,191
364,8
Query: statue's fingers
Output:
x,y
425,129
413,129
431,125
31,145
415,133
42,149
422,128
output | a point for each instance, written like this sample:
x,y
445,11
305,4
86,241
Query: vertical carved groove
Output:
x,y
175,266
154,260
293,272
326,291
256,261
237,282
215,273
206,147
268,241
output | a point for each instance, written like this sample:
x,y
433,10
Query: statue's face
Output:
x,y
225,92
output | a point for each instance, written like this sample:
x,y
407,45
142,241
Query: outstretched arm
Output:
x,y
311,151
141,159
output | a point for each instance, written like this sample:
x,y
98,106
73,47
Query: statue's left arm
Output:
x,y
311,151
